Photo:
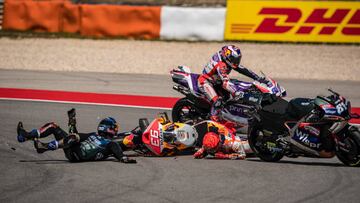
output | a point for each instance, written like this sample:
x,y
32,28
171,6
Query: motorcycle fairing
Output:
x,y
153,138
236,113
334,107
308,135
241,85
182,135
188,80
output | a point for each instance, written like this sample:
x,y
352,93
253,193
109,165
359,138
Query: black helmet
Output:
x,y
108,127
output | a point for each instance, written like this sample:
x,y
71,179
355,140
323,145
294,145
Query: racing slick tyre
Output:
x,y
351,156
264,146
184,111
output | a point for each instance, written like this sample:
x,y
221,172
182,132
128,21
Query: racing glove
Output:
x,y
199,154
232,156
265,81
238,95
127,160
235,156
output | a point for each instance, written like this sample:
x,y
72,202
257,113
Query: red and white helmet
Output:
x,y
231,55
211,142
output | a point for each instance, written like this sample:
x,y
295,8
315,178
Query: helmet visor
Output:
x,y
236,61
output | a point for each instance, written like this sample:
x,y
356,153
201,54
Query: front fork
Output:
x,y
340,138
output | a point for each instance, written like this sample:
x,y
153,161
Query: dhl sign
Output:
x,y
299,21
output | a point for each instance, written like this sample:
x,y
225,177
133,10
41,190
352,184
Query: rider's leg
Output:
x,y
211,94
66,142
43,147
52,128
44,131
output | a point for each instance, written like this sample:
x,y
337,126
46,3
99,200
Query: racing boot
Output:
x,y
216,109
23,135
43,147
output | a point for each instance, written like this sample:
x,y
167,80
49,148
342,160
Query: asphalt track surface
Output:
x,y
28,177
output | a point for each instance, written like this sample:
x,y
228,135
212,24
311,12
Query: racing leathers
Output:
x,y
230,146
216,73
77,146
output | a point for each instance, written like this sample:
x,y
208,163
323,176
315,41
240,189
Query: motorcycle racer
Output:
x,y
222,143
77,147
216,72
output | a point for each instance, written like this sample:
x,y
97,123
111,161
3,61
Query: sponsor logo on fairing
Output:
x,y
236,109
330,111
306,139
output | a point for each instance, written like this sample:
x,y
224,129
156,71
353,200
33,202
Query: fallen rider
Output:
x,y
221,142
78,147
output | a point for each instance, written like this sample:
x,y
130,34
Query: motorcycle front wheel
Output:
x,y
351,156
184,111
264,146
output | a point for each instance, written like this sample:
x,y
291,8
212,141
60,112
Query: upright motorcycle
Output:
x,y
195,107
316,128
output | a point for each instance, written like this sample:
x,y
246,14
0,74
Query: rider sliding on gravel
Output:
x,y
216,73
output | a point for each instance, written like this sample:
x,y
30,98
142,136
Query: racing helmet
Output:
x,y
211,142
231,55
108,127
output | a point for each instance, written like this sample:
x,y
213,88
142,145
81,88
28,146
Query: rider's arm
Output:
x,y
115,149
243,70
220,155
199,154
117,152
226,84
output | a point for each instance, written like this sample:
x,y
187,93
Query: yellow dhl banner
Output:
x,y
296,21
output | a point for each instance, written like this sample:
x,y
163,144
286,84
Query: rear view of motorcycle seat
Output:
x,y
299,107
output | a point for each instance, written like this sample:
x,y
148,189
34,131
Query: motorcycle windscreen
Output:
x,y
153,139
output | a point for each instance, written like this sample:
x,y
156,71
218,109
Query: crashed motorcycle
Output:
x,y
195,106
317,128
162,137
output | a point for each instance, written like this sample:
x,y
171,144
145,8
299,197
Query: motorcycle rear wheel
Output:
x,y
184,111
264,146
351,158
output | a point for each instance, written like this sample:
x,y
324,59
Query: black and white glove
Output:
x,y
127,160
238,95
265,81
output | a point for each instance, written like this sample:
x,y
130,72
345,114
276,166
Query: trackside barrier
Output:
x,y
28,15
130,21
88,20
297,21
192,23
